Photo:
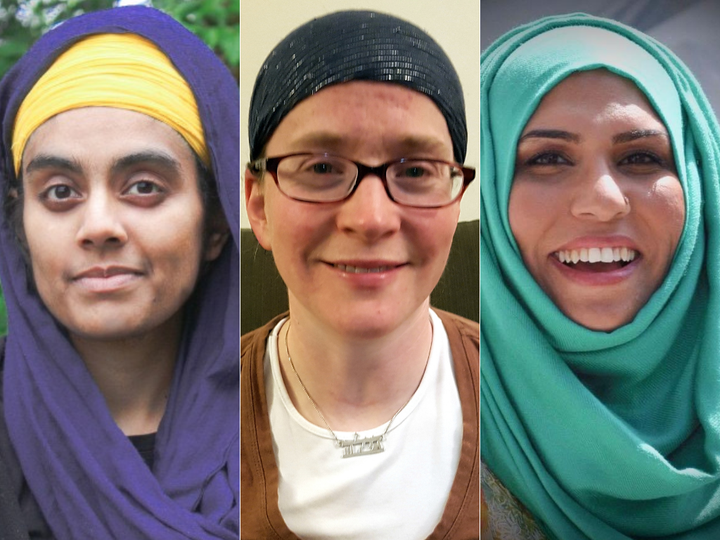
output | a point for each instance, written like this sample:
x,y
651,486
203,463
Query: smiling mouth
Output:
x,y
363,270
595,259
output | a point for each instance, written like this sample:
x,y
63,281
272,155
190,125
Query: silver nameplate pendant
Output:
x,y
362,447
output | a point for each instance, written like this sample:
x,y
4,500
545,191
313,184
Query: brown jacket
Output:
x,y
260,517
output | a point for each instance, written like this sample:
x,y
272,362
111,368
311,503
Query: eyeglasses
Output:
x,y
324,178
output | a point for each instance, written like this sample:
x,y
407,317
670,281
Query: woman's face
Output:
x,y
114,221
596,206
397,253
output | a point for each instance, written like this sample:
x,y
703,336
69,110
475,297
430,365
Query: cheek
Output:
x,y
667,207
179,247
43,238
525,215
430,234
294,231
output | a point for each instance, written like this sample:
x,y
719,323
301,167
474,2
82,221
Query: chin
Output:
x,y
107,329
369,323
600,322
365,327
105,333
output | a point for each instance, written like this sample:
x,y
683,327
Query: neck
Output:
x,y
358,383
134,374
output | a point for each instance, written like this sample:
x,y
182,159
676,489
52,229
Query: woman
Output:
x,y
600,320
359,408
120,396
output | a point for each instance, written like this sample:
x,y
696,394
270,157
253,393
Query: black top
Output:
x,y
20,515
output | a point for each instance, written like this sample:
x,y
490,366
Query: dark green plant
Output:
x,y
216,22
22,22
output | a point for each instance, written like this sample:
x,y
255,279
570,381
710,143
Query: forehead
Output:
x,y
592,96
93,135
364,117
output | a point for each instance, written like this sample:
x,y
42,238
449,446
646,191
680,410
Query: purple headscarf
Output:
x,y
86,475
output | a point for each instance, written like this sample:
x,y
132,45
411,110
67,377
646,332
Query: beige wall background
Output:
x,y
454,24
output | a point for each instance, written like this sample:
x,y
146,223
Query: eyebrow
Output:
x,y
334,142
46,161
150,157
550,134
319,140
635,134
416,143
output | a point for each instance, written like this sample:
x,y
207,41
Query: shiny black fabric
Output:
x,y
354,45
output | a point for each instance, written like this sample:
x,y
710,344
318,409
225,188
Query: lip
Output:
x,y
366,273
106,279
596,279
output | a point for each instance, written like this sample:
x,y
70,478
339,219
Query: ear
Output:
x,y
216,241
255,206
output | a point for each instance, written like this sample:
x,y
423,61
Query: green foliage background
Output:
x,y
22,22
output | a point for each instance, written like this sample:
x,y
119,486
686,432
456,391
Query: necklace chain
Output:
x,y
355,446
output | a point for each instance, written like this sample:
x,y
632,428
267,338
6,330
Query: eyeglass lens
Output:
x,y
322,178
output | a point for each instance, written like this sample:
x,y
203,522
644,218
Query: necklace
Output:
x,y
356,446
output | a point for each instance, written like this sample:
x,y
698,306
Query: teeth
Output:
x,y
357,270
594,255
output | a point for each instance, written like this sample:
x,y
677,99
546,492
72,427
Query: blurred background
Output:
x,y
688,27
22,22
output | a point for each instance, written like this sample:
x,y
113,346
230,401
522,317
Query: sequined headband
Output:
x,y
354,45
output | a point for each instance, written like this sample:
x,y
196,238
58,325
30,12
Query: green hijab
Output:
x,y
602,435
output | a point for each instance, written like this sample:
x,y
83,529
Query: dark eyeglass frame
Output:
x,y
270,165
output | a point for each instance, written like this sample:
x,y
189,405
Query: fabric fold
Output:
x,y
602,434
87,477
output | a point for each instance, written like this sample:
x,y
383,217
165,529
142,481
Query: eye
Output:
x,y
322,168
144,187
415,171
641,158
316,167
145,193
59,192
419,169
547,159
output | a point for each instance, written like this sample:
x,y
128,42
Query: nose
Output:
x,y
101,225
601,198
369,212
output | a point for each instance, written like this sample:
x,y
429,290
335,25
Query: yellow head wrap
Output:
x,y
123,71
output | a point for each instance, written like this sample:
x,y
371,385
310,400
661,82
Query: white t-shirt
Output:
x,y
394,495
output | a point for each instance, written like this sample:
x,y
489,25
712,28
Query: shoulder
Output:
x,y
252,344
457,326
20,514
463,324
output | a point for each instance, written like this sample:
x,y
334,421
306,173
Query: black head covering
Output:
x,y
349,46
